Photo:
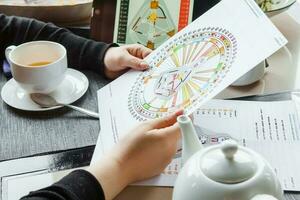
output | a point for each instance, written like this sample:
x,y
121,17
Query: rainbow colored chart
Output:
x,y
183,73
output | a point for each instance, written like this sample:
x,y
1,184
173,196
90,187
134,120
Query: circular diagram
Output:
x,y
182,73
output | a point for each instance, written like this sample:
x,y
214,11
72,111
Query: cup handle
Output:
x,y
7,53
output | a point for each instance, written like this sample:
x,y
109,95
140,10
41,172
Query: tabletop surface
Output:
x,y
27,133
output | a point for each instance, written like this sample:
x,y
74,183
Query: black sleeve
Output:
x,y
78,185
82,53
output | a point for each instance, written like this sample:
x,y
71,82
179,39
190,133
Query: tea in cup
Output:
x,y
39,66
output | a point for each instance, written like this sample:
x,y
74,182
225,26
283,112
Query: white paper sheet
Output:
x,y
188,70
270,128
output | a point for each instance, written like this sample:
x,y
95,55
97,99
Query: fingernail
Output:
x,y
179,112
144,65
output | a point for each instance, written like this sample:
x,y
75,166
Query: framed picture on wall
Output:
x,y
150,22
147,22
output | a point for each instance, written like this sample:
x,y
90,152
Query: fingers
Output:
x,y
145,51
133,55
165,121
138,50
171,131
130,61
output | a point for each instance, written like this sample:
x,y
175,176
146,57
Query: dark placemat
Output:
x,y
26,133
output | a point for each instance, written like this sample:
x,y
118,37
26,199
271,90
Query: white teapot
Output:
x,y
222,172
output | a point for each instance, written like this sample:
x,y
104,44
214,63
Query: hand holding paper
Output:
x,y
143,153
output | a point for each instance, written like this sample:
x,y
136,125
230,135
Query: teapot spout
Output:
x,y
190,141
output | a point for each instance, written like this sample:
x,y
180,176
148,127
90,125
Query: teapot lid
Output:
x,y
228,164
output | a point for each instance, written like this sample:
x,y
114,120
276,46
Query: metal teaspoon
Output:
x,y
46,101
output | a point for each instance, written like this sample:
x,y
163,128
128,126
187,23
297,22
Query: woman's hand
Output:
x,y
142,153
118,60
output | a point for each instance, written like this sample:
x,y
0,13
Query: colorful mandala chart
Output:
x,y
182,73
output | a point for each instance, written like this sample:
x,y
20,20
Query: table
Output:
x,y
26,133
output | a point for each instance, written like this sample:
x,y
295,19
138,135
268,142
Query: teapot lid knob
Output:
x,y
229,148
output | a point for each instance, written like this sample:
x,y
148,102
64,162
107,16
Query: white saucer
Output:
x,y
71,89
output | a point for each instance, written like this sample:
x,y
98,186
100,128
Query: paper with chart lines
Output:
x,y
189,69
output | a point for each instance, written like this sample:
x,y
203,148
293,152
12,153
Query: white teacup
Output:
x,y
39,66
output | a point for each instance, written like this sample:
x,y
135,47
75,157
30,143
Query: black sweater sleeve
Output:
x,y
82,53
78,185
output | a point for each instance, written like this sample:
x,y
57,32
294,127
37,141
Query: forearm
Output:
x,y
82,53
112,176
80,184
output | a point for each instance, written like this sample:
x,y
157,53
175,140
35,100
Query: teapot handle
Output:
x,y
263,197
